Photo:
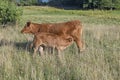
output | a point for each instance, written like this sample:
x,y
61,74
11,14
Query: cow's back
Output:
x,y
65,28
56,28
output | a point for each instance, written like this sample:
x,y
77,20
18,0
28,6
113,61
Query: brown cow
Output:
x,y
51,40
71,28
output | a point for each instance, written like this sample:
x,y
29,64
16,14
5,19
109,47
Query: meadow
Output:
x,y
99,61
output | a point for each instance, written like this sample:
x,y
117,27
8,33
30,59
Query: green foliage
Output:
x,y
89,4
116,4
9,12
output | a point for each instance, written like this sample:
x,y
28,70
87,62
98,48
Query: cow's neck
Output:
x,y
35,28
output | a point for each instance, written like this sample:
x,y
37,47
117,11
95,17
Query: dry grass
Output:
x,y
100,60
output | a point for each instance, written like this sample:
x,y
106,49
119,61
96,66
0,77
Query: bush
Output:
x,y
9,12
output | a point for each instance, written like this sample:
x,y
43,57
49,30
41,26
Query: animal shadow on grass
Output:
x,y
18,45
24,46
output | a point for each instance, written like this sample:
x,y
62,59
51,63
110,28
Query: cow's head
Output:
x,y
27,28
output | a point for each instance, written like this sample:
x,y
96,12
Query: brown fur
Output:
x,y
51,40
71,28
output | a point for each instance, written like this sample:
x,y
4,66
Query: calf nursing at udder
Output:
x,y
52,40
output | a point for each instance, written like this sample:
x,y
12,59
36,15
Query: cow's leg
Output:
x,y
77,38
80,44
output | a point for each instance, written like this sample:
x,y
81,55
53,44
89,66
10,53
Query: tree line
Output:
x,y
93,4
81,4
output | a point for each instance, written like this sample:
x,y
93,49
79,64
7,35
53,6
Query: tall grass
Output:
x,y
99,61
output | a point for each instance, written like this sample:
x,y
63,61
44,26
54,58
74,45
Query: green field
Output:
x,y
99,61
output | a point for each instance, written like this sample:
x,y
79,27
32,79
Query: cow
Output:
x,y
71,28
51,40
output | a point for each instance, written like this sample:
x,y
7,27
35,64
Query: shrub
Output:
x,y
9,12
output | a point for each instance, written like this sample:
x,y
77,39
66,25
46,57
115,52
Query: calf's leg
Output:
x,y
35,50
36,45
41,51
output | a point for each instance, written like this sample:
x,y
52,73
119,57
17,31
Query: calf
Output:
x,y
71,28
51,40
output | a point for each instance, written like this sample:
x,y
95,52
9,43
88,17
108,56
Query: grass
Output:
x,y
100,60
49,12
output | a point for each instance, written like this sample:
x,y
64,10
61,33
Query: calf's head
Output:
x,y
27,28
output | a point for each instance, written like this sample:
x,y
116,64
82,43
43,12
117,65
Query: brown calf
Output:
x,y
71,28
51,40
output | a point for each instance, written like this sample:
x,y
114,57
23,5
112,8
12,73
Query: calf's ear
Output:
x,y
70,39
28,23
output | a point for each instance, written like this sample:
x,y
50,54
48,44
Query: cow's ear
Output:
x,y
28,24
